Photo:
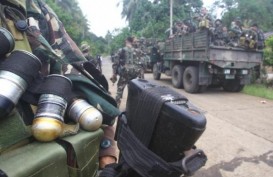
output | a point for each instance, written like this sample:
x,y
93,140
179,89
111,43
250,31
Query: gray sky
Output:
x,y
104,15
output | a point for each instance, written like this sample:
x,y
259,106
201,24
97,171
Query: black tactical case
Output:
x,y
177,123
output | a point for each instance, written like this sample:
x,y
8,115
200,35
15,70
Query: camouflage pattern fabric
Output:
x,y
54,32
236,30
127,73
51,43
127,68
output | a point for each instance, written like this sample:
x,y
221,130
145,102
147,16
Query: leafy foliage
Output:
x,y
249,11
76,24
268,52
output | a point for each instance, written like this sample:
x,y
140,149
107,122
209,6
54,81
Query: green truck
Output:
x,y
194,63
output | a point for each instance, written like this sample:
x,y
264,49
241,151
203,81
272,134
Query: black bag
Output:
x,y
155,132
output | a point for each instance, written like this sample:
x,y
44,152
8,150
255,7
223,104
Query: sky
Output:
x,y
105,15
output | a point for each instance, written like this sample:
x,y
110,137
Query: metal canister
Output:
x,y
89,118
48,121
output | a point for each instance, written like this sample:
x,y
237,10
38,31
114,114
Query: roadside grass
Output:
x,y
259,91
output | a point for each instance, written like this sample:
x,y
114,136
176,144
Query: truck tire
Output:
x,y
233,85
191,79
177,76
156,72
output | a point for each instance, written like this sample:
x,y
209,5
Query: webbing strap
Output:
x,y
135,156
140,158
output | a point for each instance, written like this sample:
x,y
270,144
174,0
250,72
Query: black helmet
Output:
x,y
218,21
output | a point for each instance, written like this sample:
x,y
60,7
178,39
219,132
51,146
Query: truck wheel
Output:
x,y
156,72
177,76
233,85
191,79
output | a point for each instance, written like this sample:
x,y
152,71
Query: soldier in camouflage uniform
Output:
x,y
204,19
220,34
59,54
260,36
140,55
236,30
126,67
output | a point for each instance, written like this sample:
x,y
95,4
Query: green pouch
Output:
x,y
82,153
35,160
13,131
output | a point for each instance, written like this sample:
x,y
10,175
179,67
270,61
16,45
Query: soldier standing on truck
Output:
x,y
260,36
220,34
236,30
204,19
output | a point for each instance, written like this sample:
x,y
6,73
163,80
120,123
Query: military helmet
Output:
x,y
85,47
218,22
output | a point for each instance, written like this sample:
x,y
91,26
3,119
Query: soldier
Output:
x,y
204,19
180,28
260,36
126,67
220,35
236,30
139,52
85,48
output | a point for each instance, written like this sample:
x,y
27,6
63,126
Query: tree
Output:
x,y
268,52
154,15
248,10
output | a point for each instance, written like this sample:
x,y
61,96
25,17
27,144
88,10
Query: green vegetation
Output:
x,y
76,25
268,52
259,91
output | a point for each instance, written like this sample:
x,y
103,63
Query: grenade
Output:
x,y
17,71
49,117
89,118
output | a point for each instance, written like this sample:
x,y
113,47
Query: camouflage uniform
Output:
x,y
220,34
260,36
204,19
51,43
127,68
236,31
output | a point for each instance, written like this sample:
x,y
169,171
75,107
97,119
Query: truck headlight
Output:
x,y
226,71
244,71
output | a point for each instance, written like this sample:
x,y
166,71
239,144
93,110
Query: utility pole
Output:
x,y
171,17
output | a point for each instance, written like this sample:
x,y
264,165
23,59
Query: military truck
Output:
x,y
194,63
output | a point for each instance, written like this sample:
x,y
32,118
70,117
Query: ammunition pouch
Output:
x,y
242,41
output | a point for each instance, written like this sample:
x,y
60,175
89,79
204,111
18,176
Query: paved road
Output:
x,y
239,135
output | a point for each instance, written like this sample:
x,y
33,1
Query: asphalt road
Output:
x,y
238,139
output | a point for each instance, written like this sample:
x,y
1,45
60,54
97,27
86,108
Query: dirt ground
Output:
x,y
238,139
